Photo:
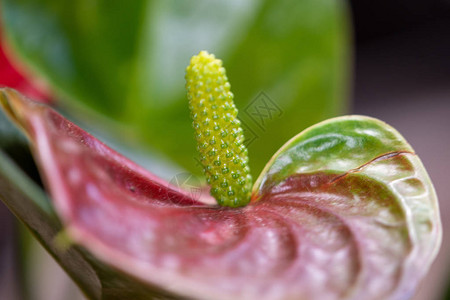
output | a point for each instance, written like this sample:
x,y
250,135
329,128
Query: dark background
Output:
x,y
402,76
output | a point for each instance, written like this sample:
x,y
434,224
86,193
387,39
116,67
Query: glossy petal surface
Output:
x,y
345,210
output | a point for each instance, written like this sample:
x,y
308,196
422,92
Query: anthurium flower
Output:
x,y
344,210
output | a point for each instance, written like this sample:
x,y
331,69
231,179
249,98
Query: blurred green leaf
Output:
x,y
126,60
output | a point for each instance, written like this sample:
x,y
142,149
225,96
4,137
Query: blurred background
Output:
x,y
400,74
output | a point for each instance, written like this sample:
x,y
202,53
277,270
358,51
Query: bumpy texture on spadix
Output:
x,y
220,139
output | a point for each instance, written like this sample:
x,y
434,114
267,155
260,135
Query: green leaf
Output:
x,y
286,61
